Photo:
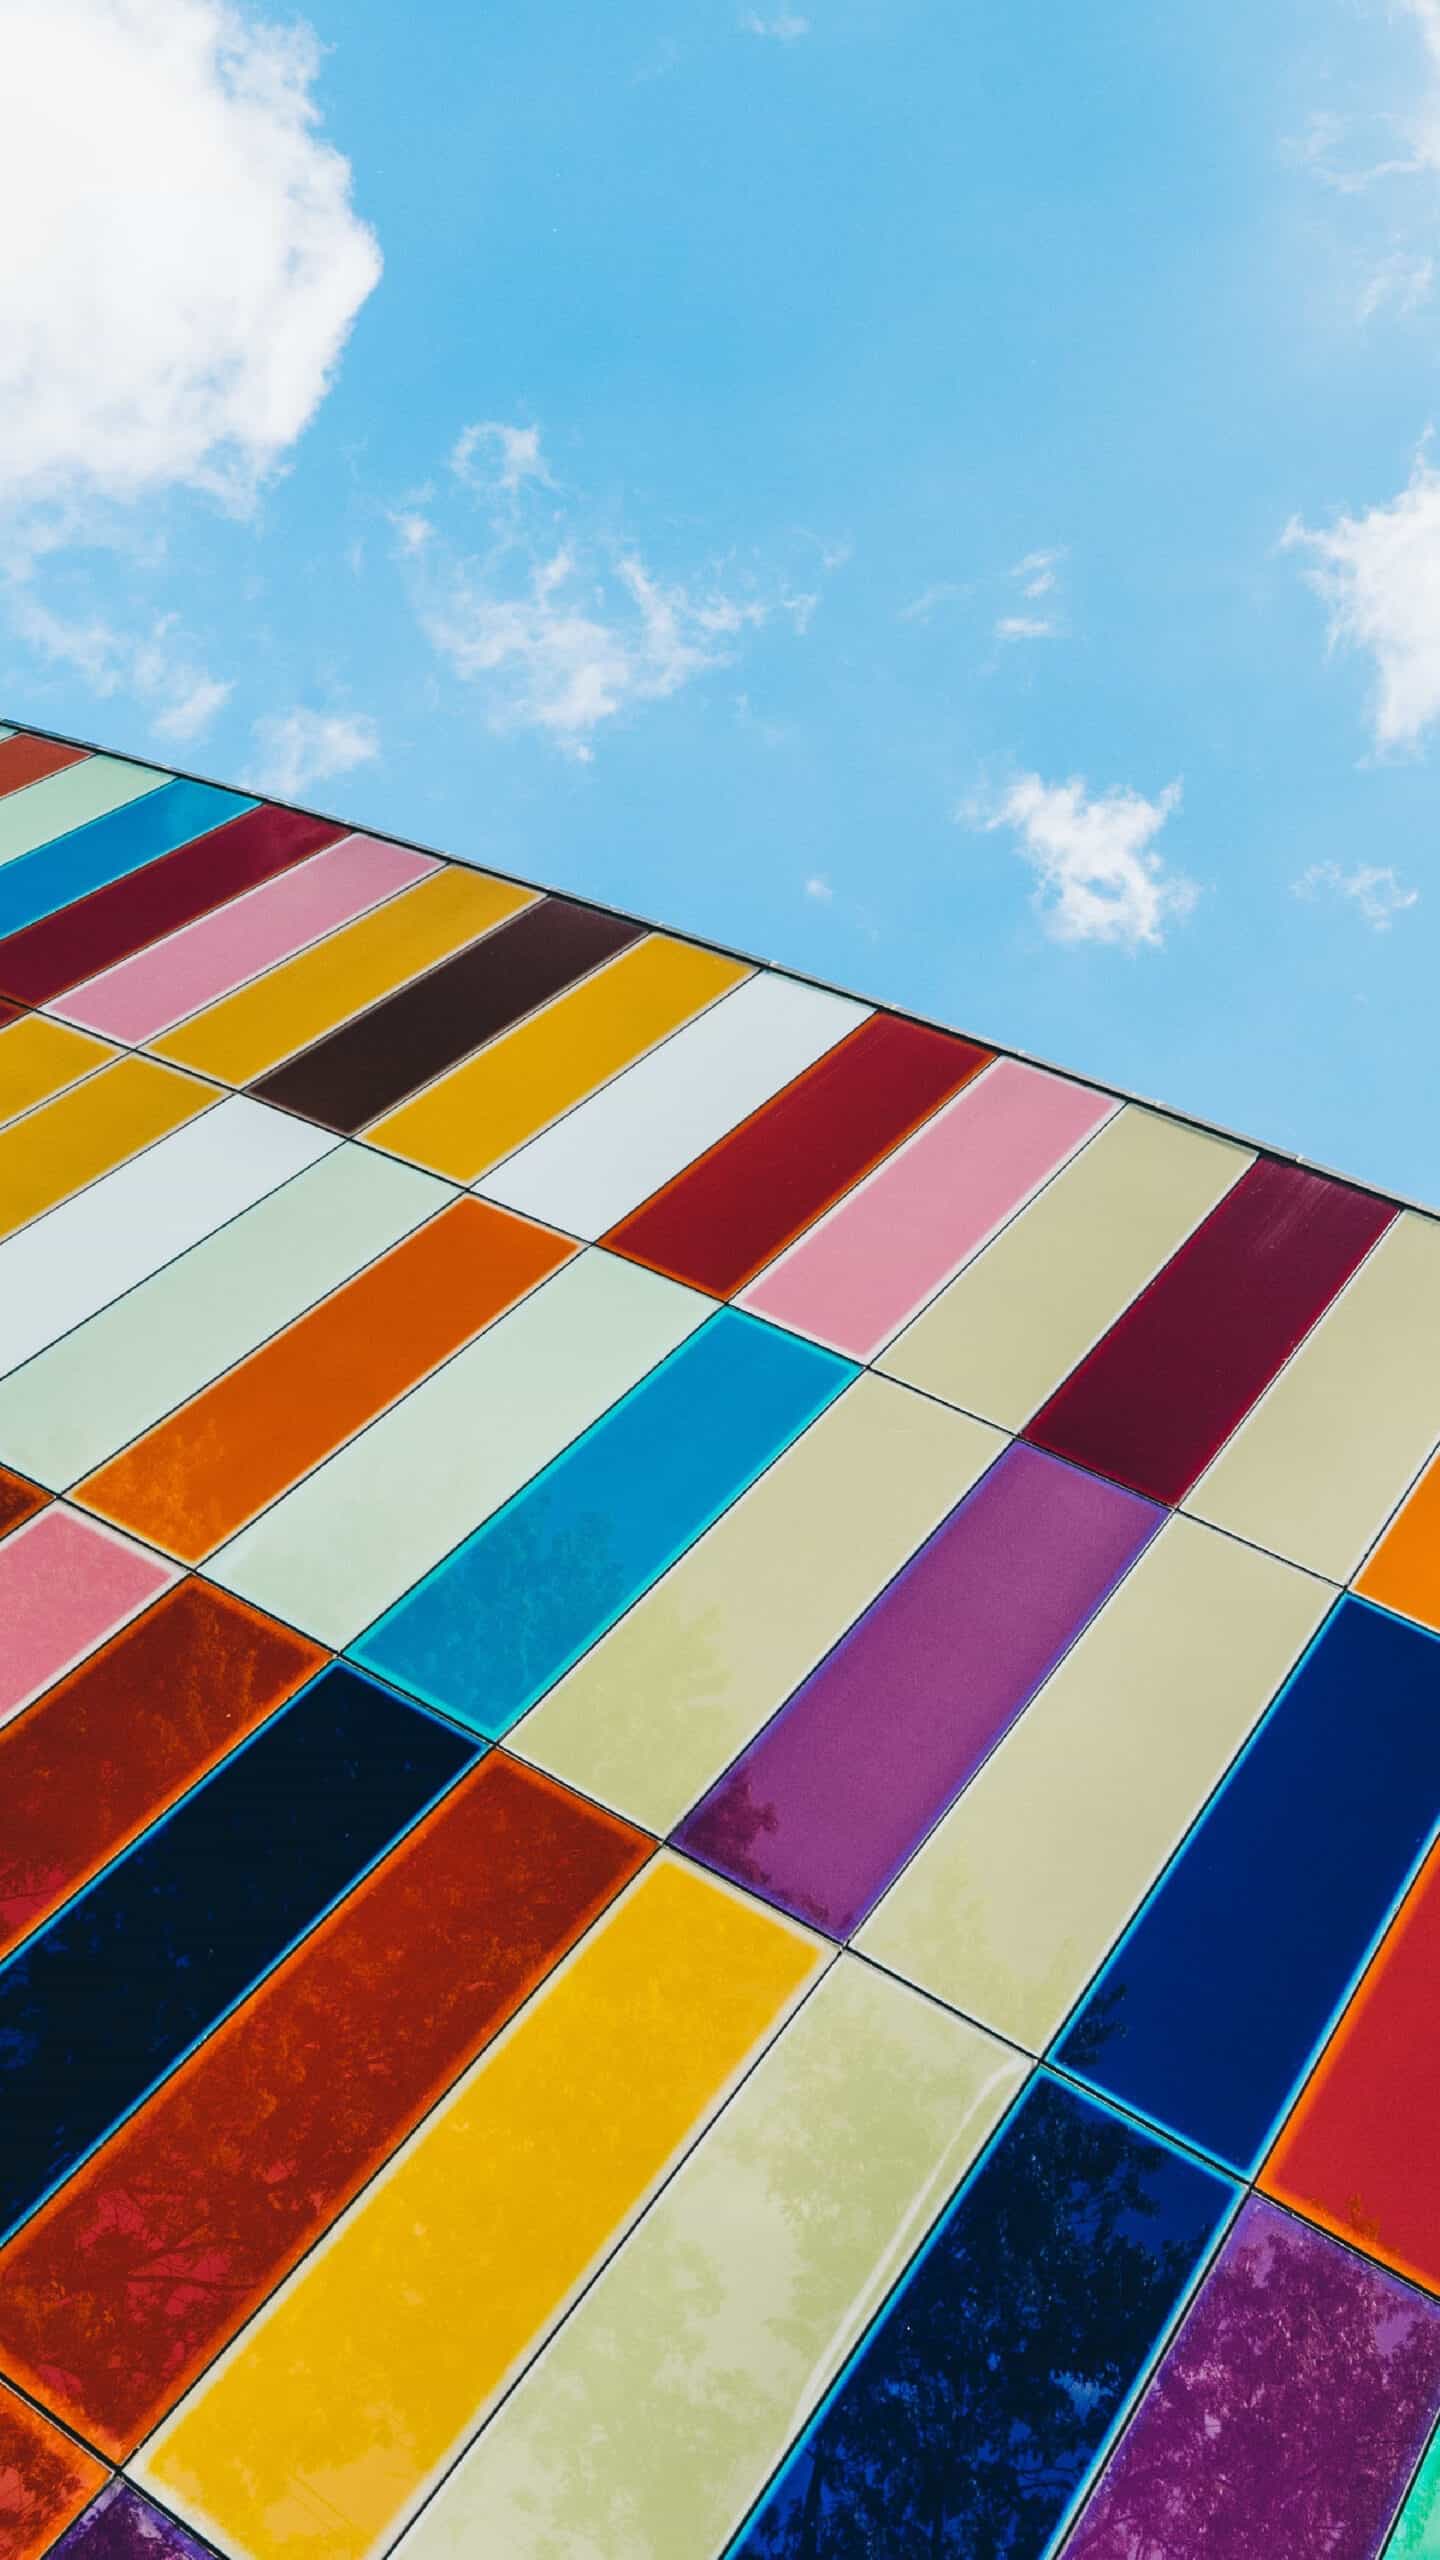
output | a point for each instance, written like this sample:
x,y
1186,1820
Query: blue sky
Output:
x,y
939,497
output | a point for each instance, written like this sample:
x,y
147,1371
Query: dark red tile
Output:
x,y
19,1500
45,2480
24,760
730,1212
1170,1381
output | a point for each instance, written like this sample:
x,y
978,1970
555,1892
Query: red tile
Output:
x,y
1169,1382
106,1750
19,1500
124,2286
45,2480
24,760
730,1212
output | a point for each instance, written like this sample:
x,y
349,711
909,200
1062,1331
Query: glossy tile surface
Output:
x,y
233,2169
39,1057
45,2479
84,791
1210,2010
1286,2416
37,883
24,759
1417,2531
71,1141
66,1583
1403,1571
646,2429
19,1500
825,1807
500,1619
121,2525
327,2423
973,2412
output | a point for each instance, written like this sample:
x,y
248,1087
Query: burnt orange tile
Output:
x,y
24,760
19,1500
45,2480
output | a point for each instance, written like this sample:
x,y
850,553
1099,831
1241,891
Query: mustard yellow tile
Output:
x,y
83,1133
39,1057
492,1103
249,1032
331,2417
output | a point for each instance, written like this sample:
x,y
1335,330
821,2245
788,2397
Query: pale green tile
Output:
x,y
70,799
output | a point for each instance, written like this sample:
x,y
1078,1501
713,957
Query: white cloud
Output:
x,y
922,606
515,454
1404,281
412,530
1374,888
1035,574
818,888
1026,626
1097,879
300,748
158,670
1379,575
786,29
192,263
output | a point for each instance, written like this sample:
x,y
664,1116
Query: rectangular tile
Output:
x,y
1210,2009
127,1221
1020,1892
76,1403
722,1219
69,1142
121,2525
194,1480
643,2432
327,2421
1403,1571
858,1275
25,759
125,915
495,1101
501,1618
1329,1450
664,1702
628,1141
39,1058
988,2386
201,962
66,1583
232,2170
243,1035
1001,1337
823,1809
1154,1400
367,1067
45,2479
19,1501
380,1513
34,884
1285,2417
102,2003
84,792
1417,2529
106,1750
1357,2152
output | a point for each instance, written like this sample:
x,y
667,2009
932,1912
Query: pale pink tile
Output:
x,y
205,960
859,1275
66,1584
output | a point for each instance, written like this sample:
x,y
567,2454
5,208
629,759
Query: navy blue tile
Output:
x,y
1209,2011
89,857
966,2424
101,2004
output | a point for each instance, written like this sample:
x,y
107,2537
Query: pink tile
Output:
x,y
66,1584
857,1277
204,960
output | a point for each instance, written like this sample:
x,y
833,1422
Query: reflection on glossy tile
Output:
x,y
500,1619
66,1584
718,1223
67,1143
237,2165
657,2412
1172,1378
113,1991
44,2479
972,2414
1210,2010
824,1808
19,1500
38,1058
658,1708
198,1476
1417,2534
36,883
121,2525
106,1750
1021,1891
336,2410
1285,2418
1358,2151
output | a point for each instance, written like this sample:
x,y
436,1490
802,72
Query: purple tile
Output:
x,y
121,2525
829,1801
1287,2415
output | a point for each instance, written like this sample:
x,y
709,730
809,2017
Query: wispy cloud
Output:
x,y
490,457
1033,578
818,889
784,29
1097,876
1373,889
1379,577
157,670
930,600
301,748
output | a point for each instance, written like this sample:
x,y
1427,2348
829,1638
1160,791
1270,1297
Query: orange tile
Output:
x,y
200,1475
45,2480
1403,1571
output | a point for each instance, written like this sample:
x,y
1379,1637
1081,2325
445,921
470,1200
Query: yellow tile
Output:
x,y
335,2412
244,1035
39,1057
493,1102
84,1133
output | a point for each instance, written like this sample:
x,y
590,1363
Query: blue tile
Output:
x,y
489,1630
90,856
1209,2011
